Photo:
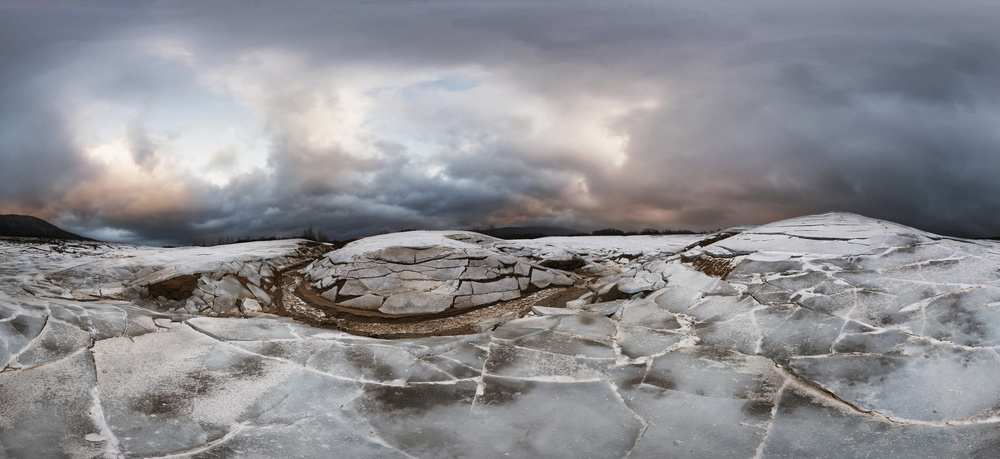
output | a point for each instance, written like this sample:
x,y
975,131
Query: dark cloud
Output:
x,y
39,167
376,115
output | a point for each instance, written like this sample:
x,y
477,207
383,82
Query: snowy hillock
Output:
x,y
423,272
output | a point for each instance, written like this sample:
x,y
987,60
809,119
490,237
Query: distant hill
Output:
x,y
527,232
28,226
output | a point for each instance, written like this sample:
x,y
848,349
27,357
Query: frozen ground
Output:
x,y
824,336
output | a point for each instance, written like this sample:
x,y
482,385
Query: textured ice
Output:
x,y
647,314
800,415
46,411
189,398
833,336
929,383
514,415
721,427
637,341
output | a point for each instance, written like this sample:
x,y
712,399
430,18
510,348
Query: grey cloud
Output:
x,y
140,144
763,110
899,130
38,158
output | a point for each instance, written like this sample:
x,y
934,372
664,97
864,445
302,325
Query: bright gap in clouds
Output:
x,y
166,115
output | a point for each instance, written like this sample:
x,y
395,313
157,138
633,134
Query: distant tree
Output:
x,y
649,231
224,240
608,232
309,234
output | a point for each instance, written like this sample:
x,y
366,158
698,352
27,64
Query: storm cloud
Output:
x,y
174,122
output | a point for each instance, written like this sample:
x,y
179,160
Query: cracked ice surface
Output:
x,y
833,336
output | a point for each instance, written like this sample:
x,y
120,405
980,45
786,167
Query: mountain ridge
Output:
x,y
13,225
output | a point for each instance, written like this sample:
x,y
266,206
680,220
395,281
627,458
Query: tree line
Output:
x,y
644,232
318,235
308,233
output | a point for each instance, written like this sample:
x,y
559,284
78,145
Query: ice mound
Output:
x,y
891,319
426,272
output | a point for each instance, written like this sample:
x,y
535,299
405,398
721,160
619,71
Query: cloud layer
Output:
x,y
172,122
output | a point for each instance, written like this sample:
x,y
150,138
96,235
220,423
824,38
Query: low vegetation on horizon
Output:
x,y
502,233
308,234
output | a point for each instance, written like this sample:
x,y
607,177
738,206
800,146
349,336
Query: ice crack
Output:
x,y
774,412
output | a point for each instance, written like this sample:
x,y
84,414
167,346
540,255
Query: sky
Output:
x,y
170,122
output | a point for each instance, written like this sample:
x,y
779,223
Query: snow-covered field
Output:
x,y
832,335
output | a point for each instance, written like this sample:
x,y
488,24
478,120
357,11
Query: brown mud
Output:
x,y
572,264
177,288
712,266
559,298
715,267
